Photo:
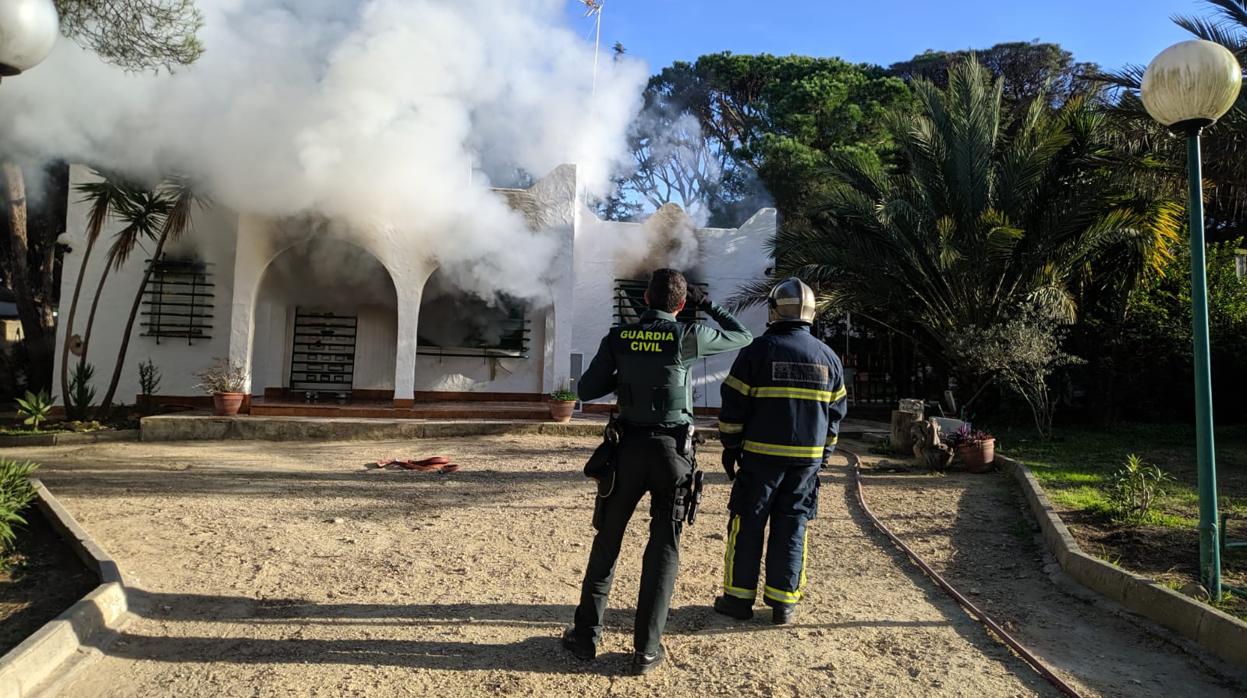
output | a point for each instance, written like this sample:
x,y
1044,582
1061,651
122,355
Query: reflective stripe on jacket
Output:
x,y
784,397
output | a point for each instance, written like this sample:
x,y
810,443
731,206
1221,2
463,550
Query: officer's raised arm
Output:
x,y
710,341
600,379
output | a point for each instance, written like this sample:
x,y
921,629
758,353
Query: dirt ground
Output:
x,y
291,569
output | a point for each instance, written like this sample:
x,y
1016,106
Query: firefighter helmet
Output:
x,y
791,301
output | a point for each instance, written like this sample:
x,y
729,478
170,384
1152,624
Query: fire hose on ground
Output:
x,y
974,611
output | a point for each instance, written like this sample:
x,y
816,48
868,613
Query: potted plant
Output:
x,y
562,402
225,381
976,448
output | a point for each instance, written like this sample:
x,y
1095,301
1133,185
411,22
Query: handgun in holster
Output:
x,y
688,496
602,467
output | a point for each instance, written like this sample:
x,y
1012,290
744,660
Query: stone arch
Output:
x,y
324,275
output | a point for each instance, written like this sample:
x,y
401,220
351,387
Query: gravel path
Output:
x,y
290,569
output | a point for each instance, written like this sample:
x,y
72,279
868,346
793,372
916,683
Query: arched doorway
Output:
x,y
326,324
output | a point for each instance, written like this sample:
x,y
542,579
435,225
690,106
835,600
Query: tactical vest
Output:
x,y
653,383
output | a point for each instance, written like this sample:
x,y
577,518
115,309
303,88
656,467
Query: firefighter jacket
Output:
x,y
784,398
647,364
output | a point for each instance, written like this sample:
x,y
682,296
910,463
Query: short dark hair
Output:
x,y
667,290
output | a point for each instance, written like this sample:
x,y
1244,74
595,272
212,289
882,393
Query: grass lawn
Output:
x,y
1074,468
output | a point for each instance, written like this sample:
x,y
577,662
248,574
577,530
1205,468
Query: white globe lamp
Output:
x,y
28,31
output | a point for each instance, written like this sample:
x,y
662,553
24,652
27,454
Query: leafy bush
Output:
x,y
35,408
224,376
81,393
1134,488
564,394
15,493
1020,353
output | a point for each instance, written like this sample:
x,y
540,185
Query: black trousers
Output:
x,y
647,462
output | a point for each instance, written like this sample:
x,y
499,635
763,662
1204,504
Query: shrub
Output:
x,y
35,408
149,383
15,493
81,394
224,376
1134,488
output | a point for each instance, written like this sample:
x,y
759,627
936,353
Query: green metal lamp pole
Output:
x,y
1209,536
1187,88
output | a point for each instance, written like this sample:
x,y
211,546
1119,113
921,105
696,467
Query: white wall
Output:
x,y
727,259
212,240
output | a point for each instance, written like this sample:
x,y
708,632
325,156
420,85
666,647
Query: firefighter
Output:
x,y
648,365
782,405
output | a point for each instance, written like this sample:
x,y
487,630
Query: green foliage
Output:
x,y
1020,353
1134,488
1153,337
35,408
135,34
764,120
564,394
1029,70
984,215
16,493
81,392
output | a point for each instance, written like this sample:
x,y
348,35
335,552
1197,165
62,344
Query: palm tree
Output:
x,y
174,201
1225,143
109,197
982,215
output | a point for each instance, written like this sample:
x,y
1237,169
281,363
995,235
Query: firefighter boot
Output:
x,y
732,607
782,614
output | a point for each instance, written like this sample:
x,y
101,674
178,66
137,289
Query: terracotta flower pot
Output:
x,y
226,404
561,410
978,457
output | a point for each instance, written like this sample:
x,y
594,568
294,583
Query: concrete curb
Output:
x,y
1218,632
43,655
69,438
205,428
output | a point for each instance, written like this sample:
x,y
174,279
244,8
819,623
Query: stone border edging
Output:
x,y
68,438
27,667
205,428
1215,630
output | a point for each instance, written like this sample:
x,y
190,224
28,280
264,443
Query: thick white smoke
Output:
x,y
365,111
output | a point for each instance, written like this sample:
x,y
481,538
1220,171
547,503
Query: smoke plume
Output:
x,y
391,112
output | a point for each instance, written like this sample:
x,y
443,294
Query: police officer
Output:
x,y
647,365
782,405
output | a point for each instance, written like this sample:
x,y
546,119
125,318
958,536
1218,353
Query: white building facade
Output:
x,y
316,315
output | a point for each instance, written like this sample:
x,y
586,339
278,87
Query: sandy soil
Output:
x,y
290,569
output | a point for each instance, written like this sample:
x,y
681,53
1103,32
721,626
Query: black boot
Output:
x,y
732,607
643,663
580,649
782,614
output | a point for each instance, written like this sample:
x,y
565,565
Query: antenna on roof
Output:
x,y
593,8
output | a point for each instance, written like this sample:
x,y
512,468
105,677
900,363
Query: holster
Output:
x,y
602,466
688,495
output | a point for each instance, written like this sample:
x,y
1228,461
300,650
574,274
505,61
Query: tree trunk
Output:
x,y
95,304
37,320
69,324
107,402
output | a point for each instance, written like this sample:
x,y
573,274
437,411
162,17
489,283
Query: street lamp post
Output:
x,y
1187,88
28,30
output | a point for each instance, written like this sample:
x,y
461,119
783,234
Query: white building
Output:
x,y
311,312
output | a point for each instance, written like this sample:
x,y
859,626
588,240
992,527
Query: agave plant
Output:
x,y
983,213
35,408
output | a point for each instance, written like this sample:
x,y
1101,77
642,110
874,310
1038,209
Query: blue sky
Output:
x,y
1108,32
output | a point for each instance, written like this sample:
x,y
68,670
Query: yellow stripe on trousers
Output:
x,y
729,561
783,595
